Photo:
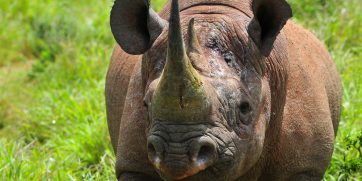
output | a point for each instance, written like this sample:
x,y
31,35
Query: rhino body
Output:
x,y
259,97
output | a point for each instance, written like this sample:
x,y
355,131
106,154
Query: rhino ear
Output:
x,y
269,18
134,25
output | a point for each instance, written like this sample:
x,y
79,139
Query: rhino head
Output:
x,y
211,87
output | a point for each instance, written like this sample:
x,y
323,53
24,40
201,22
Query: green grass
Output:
x,y
54,56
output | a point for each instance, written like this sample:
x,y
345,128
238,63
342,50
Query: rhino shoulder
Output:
x,y
118,77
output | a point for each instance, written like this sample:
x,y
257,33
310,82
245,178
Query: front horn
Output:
x,y
180,96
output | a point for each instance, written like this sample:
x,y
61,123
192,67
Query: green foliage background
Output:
x,y
53,61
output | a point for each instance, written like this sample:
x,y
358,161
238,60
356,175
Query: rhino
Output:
x,y
219,90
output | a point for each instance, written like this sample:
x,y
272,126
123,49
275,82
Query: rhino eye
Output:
x,y
231,61
244,113
229,58
245,108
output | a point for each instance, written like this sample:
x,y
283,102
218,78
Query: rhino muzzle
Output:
x,y
176,161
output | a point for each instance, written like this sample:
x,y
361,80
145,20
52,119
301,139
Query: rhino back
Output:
x,y
243,6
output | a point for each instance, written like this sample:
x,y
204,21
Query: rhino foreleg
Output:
x,y
306,176
134,176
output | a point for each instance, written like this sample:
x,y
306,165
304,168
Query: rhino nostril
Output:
x,y
155,148
151,150
206,152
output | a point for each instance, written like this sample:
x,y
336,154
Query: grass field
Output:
x,y
54,56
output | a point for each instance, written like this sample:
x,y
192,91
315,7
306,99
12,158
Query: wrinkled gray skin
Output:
x,y
243,94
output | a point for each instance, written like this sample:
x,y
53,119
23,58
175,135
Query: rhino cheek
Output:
x,y
253,148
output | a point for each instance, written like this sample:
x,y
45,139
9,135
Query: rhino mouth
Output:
x,y
171,149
